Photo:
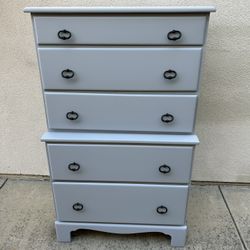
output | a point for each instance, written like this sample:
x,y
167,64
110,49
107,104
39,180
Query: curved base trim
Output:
x,y
177,233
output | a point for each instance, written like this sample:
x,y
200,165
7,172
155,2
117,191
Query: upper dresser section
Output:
x,y
133,25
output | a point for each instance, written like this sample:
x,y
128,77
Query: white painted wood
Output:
x,y
120,138
135,9
178,233
120,203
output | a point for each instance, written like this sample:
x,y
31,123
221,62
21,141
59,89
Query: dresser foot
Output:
x,y
177,233
178,237
63,232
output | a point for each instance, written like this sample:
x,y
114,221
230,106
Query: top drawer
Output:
x,y
122,29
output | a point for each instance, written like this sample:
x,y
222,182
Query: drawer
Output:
x,y
120,203
122,29
120,163
120,112
135,69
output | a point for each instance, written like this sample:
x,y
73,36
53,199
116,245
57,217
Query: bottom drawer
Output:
x,y
121,203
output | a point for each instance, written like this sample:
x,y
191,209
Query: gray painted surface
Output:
x,y
238,200
120,203
125,9
102,30
121,112
120,163
178,233
120,138
137,69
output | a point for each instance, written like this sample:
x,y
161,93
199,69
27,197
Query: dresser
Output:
x,y
120,88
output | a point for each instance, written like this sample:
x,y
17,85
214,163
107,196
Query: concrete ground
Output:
x,y
218,218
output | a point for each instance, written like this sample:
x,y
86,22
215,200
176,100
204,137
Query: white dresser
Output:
x,y
120,87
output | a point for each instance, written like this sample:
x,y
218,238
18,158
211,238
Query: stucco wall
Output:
x,y
223,120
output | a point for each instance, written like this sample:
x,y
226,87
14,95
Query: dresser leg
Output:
x,y
63,233
178,238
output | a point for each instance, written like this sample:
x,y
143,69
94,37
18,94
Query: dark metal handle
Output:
x,y
67,73
170,74
73,166
161,210
167,118
164,169
64,34
72,115
174,35
78,206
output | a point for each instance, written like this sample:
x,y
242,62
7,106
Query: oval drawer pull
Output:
x,y
78,206
164,169
67,73
74,166
64,34
174,35
170,74
72,115
162,210
167,118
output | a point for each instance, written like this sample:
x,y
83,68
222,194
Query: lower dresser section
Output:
x,y
120,182
121,203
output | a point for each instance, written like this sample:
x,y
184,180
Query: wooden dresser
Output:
x,y
120,87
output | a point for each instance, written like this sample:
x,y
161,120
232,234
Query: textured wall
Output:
x,y
223,120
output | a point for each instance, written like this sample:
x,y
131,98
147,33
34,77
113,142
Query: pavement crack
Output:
x,y
234,222
3,183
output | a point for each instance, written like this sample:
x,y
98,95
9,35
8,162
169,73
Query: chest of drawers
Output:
x,y
120,89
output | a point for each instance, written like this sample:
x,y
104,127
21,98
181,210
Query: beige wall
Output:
x,y
223,120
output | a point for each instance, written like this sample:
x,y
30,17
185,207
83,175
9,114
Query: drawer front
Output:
x,y
120,112
126,29
120,203
120,163
142,69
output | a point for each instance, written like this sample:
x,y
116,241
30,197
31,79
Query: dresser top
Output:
x,y
148,9
120,138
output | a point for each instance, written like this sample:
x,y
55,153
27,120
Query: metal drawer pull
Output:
x,y
164,169
73,166
78,206
167,118
64,34
162,210
170,74
67,73
174,35
72,115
